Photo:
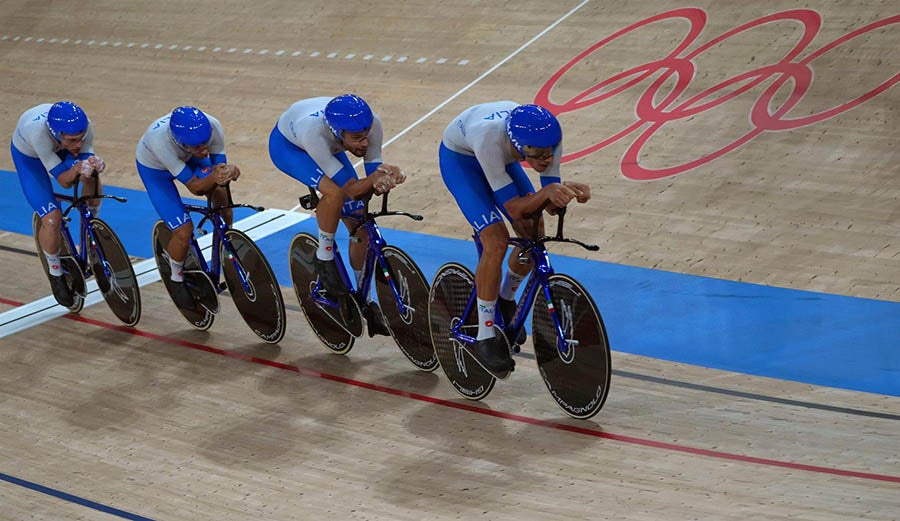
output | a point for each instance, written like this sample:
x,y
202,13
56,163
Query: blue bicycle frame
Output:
x,y
85,230
214,268
373,254
541,271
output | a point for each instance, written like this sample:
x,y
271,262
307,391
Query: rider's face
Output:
x,y
72,143
540,162
357,143
538,158
200,151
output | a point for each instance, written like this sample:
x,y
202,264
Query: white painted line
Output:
x,y
248,51
486,73
257,226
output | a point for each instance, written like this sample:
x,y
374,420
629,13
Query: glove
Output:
x,y
98,163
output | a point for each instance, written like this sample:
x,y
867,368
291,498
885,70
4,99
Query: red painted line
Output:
x,y
480,410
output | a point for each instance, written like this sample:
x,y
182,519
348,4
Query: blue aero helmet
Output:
x,y
65,117
348,113
532,126
189,127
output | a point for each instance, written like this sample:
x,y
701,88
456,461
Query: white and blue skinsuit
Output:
x,y
478,166
36,153
160,161
302,146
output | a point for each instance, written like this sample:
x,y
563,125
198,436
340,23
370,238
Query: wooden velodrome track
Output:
x,y
164,422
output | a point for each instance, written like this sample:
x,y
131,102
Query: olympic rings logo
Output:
x,y
679,69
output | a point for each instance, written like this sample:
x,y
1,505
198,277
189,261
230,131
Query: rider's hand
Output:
x,y
386,177
559,194
235,172
582,191
98,163
223,173
86,168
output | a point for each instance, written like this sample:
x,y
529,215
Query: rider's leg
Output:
x,y
178,248
297,163
466,180
328,213
92,186
518,267
219,197
38,190
494,239
50,240
167,202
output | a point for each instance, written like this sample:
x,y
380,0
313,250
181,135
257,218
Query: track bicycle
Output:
x,y
401,288
248,276
570,342
98,252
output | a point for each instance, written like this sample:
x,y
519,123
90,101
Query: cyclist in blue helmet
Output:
x,y
480,160
189,146
55,139
310,142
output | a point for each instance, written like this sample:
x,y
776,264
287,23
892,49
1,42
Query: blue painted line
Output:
x,y
816,338
72,499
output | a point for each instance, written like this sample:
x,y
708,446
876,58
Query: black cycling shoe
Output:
x,y
494,356
182,295
375,320
330,277
61,291
507,308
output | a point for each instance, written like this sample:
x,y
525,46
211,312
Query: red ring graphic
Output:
x,y
654,116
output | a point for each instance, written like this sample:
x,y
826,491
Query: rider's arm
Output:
x,y
216,144
557,194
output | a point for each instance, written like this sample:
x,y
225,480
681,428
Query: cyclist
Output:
x,y
58,140
480,157
189,146
309,143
